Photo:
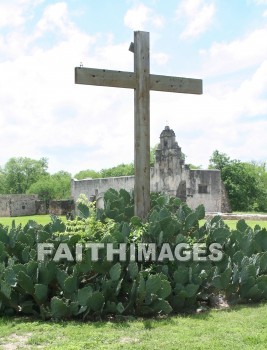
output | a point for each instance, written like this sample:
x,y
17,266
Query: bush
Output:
x,y
89,289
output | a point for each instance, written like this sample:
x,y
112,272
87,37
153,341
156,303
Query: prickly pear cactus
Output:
x,y
91,289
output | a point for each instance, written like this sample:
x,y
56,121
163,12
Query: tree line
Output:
x,y
24,175
245,182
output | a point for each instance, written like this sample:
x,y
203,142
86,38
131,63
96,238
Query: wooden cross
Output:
x,y
142,82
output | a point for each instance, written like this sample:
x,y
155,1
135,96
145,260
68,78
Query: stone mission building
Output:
x,y
170,175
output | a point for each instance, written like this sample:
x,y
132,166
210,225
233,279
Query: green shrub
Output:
x,y
89,289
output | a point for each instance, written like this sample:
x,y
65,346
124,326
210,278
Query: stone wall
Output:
x,y
61,207
4,205
204,187
94,189
226,206
18,205
169,175
27,205
42,207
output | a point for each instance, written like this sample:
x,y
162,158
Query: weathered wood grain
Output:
x,y
104,77
142,124
112,78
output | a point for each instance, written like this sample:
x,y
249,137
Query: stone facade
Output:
x,y
95,189
61,207
24,205
18,204
226,205
169,175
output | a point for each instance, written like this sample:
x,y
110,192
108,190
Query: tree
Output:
x,y
2,182
195,167
246,183
84,174
56,186
62,182
45,188
219,160
119,170
20,173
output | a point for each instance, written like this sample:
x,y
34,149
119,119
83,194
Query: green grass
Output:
x,y
242,327
45,219
251,223
41,219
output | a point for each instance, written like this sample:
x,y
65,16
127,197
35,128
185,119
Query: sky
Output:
x,y
77,127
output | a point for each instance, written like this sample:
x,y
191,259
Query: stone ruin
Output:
x,y
12,205
169,175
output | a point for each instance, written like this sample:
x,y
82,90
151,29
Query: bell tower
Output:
x,y
168,168
168,150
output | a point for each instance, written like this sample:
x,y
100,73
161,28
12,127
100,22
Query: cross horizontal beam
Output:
x,y
112,78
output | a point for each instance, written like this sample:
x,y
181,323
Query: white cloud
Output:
x,y
42,110
10,15
141,17
225,58
55,17
29,2
232,119
198,15
43,113
12,12
260,2
160,58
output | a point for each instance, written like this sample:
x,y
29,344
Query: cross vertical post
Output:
x,y
142,82
142,124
